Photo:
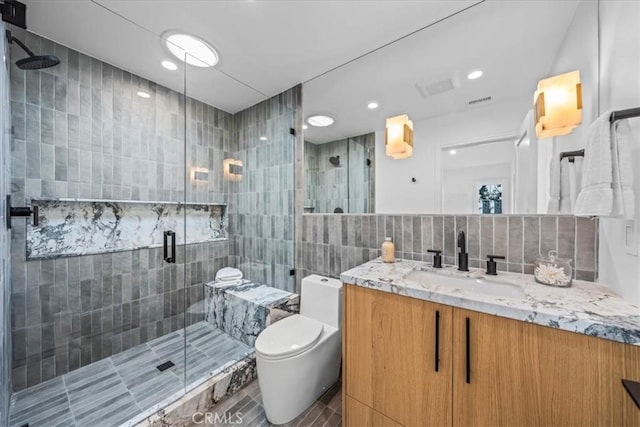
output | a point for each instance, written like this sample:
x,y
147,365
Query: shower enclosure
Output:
x,y
143,189
340,175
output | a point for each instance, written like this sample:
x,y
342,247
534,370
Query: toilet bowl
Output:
x,y
298,358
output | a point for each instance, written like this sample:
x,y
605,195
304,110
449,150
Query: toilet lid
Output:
x,y
288,337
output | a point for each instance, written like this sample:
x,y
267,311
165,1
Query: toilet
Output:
x,y
298,358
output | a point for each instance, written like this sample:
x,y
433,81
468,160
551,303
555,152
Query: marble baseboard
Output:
x,y
204,397
83,227
245,310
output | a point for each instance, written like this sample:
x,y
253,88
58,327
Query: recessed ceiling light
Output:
x,y
305,127
169,65
143,94
474,75
452,152
372,105
191,49
320,120
263,138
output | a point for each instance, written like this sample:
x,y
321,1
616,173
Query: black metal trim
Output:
x,y
292,272
23,211
292,131
437,363
165,245
624,114
14,13
173,247
468,350
577,153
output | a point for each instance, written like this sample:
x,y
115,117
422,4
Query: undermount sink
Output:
x,y
480,285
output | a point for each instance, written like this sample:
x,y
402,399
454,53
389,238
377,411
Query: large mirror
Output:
x,y
475,148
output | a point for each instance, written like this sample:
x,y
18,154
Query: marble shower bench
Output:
x,y
244,310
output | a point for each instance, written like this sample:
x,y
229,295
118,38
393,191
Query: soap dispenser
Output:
x,y
388,249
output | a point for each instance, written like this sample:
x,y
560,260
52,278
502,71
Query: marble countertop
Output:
x,y
585,307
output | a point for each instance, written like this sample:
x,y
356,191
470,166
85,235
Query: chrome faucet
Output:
x,y
463,256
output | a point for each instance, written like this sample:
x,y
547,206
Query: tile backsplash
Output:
x,y
331,244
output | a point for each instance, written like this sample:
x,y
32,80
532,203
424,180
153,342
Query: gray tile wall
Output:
x,y
330,244
5,271
81,131
264,217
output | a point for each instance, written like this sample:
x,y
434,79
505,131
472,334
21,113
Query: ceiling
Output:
x,y
515,43
265,46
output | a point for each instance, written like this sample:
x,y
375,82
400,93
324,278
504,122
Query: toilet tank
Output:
x,y
321,299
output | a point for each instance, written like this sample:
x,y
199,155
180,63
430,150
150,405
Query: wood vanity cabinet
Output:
x,y
389,357
493,371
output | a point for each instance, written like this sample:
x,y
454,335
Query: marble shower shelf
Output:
x,y
73,227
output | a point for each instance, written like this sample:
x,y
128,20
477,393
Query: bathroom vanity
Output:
x,y
428,347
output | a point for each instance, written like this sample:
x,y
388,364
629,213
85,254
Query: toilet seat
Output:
x,y
288,337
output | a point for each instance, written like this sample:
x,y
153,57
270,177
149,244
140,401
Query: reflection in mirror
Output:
x,y
467,83
340,175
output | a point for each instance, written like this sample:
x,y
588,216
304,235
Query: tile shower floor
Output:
x,y
114,390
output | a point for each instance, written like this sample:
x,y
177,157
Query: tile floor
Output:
x,y
114,390
326,412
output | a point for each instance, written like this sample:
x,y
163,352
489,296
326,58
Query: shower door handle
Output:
x,y
171,259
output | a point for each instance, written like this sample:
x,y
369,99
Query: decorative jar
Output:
x,y
553,271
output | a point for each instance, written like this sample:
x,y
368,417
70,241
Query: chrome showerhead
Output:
x,y
334,160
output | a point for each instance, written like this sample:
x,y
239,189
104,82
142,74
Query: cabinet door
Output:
x,y
529,375
389,353
359,415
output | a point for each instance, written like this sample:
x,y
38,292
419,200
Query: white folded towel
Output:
x,y
596,196
228,274
622,146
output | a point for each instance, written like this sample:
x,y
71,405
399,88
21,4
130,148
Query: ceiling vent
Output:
x,y
435,88
479,100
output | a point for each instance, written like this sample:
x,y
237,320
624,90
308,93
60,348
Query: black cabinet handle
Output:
x,y
468,356
437,341
169,234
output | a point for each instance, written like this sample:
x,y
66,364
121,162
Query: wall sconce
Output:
x,y
558,105
232,169
199,175
398,137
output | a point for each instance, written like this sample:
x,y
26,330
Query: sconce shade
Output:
x,y
199,175
232,169
558,105
398,138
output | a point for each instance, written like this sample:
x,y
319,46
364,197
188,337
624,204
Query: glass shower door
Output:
x,y
239,202
98,147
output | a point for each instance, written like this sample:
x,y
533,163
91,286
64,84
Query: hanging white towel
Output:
x,y
575,180
623,195
565,187
596,195
554,186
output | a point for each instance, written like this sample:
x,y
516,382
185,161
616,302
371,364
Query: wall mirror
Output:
x,y
475,148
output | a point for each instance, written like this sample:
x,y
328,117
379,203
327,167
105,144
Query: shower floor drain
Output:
x,y
165,366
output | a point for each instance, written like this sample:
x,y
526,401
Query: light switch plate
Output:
x,y
630,244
